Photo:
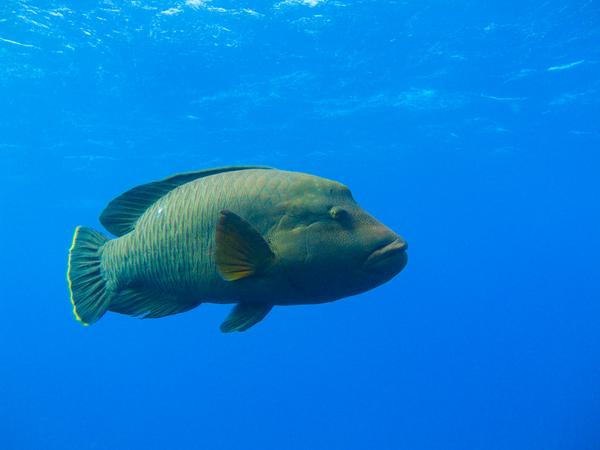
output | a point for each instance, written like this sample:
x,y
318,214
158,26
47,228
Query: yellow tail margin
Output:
x,y
87,286
79,319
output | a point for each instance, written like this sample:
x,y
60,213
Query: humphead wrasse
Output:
x,y
255,237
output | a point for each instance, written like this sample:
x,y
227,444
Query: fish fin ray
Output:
x,y
147,305
244,316
122,213
88,290
240,249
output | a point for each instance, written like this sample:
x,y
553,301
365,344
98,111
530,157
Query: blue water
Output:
x,y
471,128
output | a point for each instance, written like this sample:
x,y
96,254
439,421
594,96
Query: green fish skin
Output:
x,y
252,236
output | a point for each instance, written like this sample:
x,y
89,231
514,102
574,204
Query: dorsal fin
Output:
x,y
121,214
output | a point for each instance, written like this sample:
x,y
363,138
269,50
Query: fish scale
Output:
x,y
196,206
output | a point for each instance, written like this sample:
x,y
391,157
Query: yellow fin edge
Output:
x,y
79,319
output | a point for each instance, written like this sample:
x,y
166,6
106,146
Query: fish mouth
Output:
x,y
390,256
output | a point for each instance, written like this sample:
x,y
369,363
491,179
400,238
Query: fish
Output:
x,y
252,236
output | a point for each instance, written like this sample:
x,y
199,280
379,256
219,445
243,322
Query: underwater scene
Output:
x,y
299,224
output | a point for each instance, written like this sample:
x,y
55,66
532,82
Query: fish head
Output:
x,y
328,247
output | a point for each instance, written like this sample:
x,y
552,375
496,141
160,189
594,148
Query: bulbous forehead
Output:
x,y
313,187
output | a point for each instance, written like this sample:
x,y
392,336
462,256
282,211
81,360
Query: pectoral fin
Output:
x,y
244,315
240,250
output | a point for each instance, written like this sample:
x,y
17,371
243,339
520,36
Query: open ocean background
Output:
x,y
471,128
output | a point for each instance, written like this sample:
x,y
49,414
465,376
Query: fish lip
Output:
x,y
390,249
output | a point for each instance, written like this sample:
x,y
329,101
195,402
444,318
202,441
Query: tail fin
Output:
x,y
87,285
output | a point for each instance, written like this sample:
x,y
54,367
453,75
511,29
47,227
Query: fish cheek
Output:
x,y
338,248
306,245
322,242
290,245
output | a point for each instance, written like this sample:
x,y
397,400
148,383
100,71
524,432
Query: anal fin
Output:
x,y
148,305
244,316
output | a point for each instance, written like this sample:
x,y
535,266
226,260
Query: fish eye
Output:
x,y
338,213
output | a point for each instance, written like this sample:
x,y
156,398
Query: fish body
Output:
x,y
252,236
